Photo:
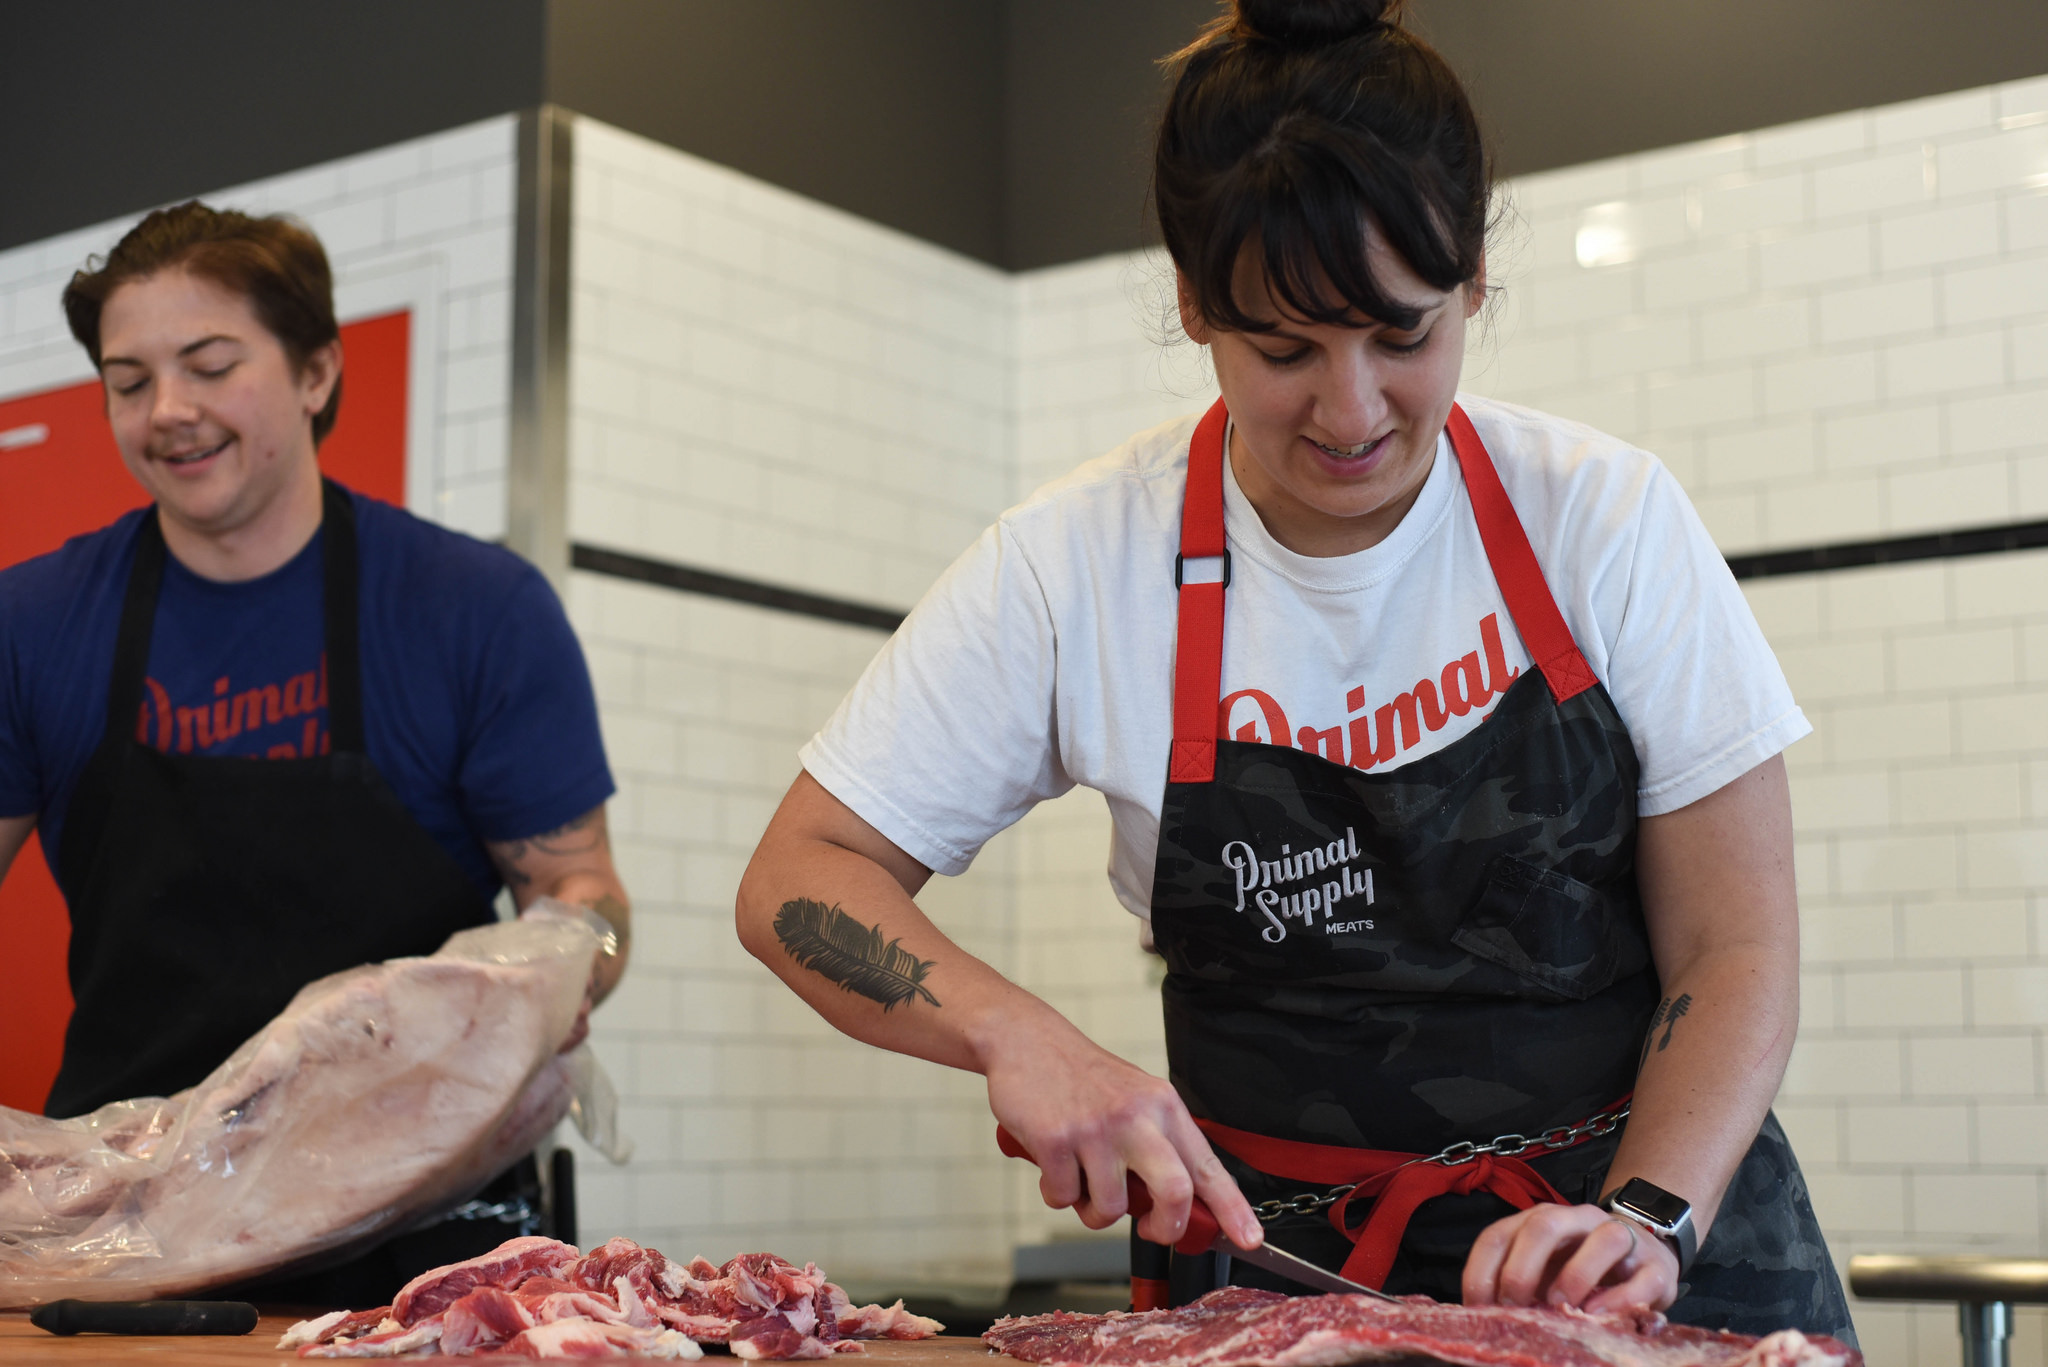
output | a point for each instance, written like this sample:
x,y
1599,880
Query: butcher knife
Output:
x,y
145,1317
1204,1234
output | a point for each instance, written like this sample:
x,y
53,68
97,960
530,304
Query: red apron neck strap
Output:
x,y
1198,645
1515,568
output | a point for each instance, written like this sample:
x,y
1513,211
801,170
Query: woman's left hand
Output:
x,y
1570,1255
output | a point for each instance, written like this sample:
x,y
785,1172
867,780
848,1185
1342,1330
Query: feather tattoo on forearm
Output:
x,y
834,945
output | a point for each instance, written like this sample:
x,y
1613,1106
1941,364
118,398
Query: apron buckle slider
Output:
x,y
1179,565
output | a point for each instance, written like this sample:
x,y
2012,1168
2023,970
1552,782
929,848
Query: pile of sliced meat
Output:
x,y
1239,1327
543,1299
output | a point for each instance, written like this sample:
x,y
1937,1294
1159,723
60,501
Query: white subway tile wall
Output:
x,y
756,1125
1867,367
774,389
770,388
425,224
765,387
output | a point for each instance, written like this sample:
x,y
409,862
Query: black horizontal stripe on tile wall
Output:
x,y
1843,555
711,584
1846,555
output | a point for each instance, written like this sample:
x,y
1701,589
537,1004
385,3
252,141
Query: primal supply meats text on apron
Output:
x,y
1284,886
1261,881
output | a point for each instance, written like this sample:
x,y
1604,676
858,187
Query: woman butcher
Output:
x,y
1443,754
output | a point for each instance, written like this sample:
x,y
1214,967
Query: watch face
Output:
x,y
1653,1201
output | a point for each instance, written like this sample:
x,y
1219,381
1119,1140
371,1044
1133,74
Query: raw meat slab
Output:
x,y
1238,1327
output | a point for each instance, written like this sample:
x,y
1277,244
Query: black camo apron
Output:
x,y
1443,951
207,890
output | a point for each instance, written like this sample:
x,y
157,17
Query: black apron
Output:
x,y
207,890
1443,951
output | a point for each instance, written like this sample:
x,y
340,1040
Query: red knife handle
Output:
x,y
1202,1231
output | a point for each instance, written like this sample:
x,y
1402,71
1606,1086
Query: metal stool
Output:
x,y
1987,1289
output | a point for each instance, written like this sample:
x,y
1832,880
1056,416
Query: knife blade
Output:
x,y
1204,1234
144,1317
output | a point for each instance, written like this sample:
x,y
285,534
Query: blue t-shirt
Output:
x,y
477,705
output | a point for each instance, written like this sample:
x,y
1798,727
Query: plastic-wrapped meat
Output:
x,y
539,1298
1239,1327
380,1095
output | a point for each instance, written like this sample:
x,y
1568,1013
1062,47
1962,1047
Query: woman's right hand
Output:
x,y
1088,1118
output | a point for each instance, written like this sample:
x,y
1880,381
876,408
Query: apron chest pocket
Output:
x,y
1555,932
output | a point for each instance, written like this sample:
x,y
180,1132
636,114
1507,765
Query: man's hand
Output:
x,y
572,863
1578,1256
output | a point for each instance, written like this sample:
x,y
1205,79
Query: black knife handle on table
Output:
x,y
145,1317
1202,1231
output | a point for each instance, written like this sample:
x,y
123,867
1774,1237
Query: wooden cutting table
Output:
x,y
22,1342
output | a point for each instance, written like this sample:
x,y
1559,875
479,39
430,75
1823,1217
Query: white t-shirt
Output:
x,y
1044,656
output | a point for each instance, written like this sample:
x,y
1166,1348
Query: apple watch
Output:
x,y
1657,1210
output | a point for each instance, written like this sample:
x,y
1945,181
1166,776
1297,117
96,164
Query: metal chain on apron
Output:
x,y
519,1211
1464,1151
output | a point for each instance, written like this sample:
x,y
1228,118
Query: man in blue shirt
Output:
x,y
269,728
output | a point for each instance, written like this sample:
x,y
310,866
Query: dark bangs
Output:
x,y
1301,156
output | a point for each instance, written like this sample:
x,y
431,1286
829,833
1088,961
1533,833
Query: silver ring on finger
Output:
x,y
1630,1226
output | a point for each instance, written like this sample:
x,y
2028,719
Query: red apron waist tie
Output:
x,y
1395,1184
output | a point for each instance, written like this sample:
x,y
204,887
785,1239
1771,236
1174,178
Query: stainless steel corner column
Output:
x,y
537,479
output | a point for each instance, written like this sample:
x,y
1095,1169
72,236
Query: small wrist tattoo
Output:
x,y
1667,1013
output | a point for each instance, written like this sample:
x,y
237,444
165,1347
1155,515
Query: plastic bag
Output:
x,y
381,1096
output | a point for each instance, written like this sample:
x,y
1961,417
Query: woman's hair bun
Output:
x,y
1312,23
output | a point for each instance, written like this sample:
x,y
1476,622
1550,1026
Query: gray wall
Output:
x,y
1011,130
111,106
1556,81
1564,81
1082,87
892,110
